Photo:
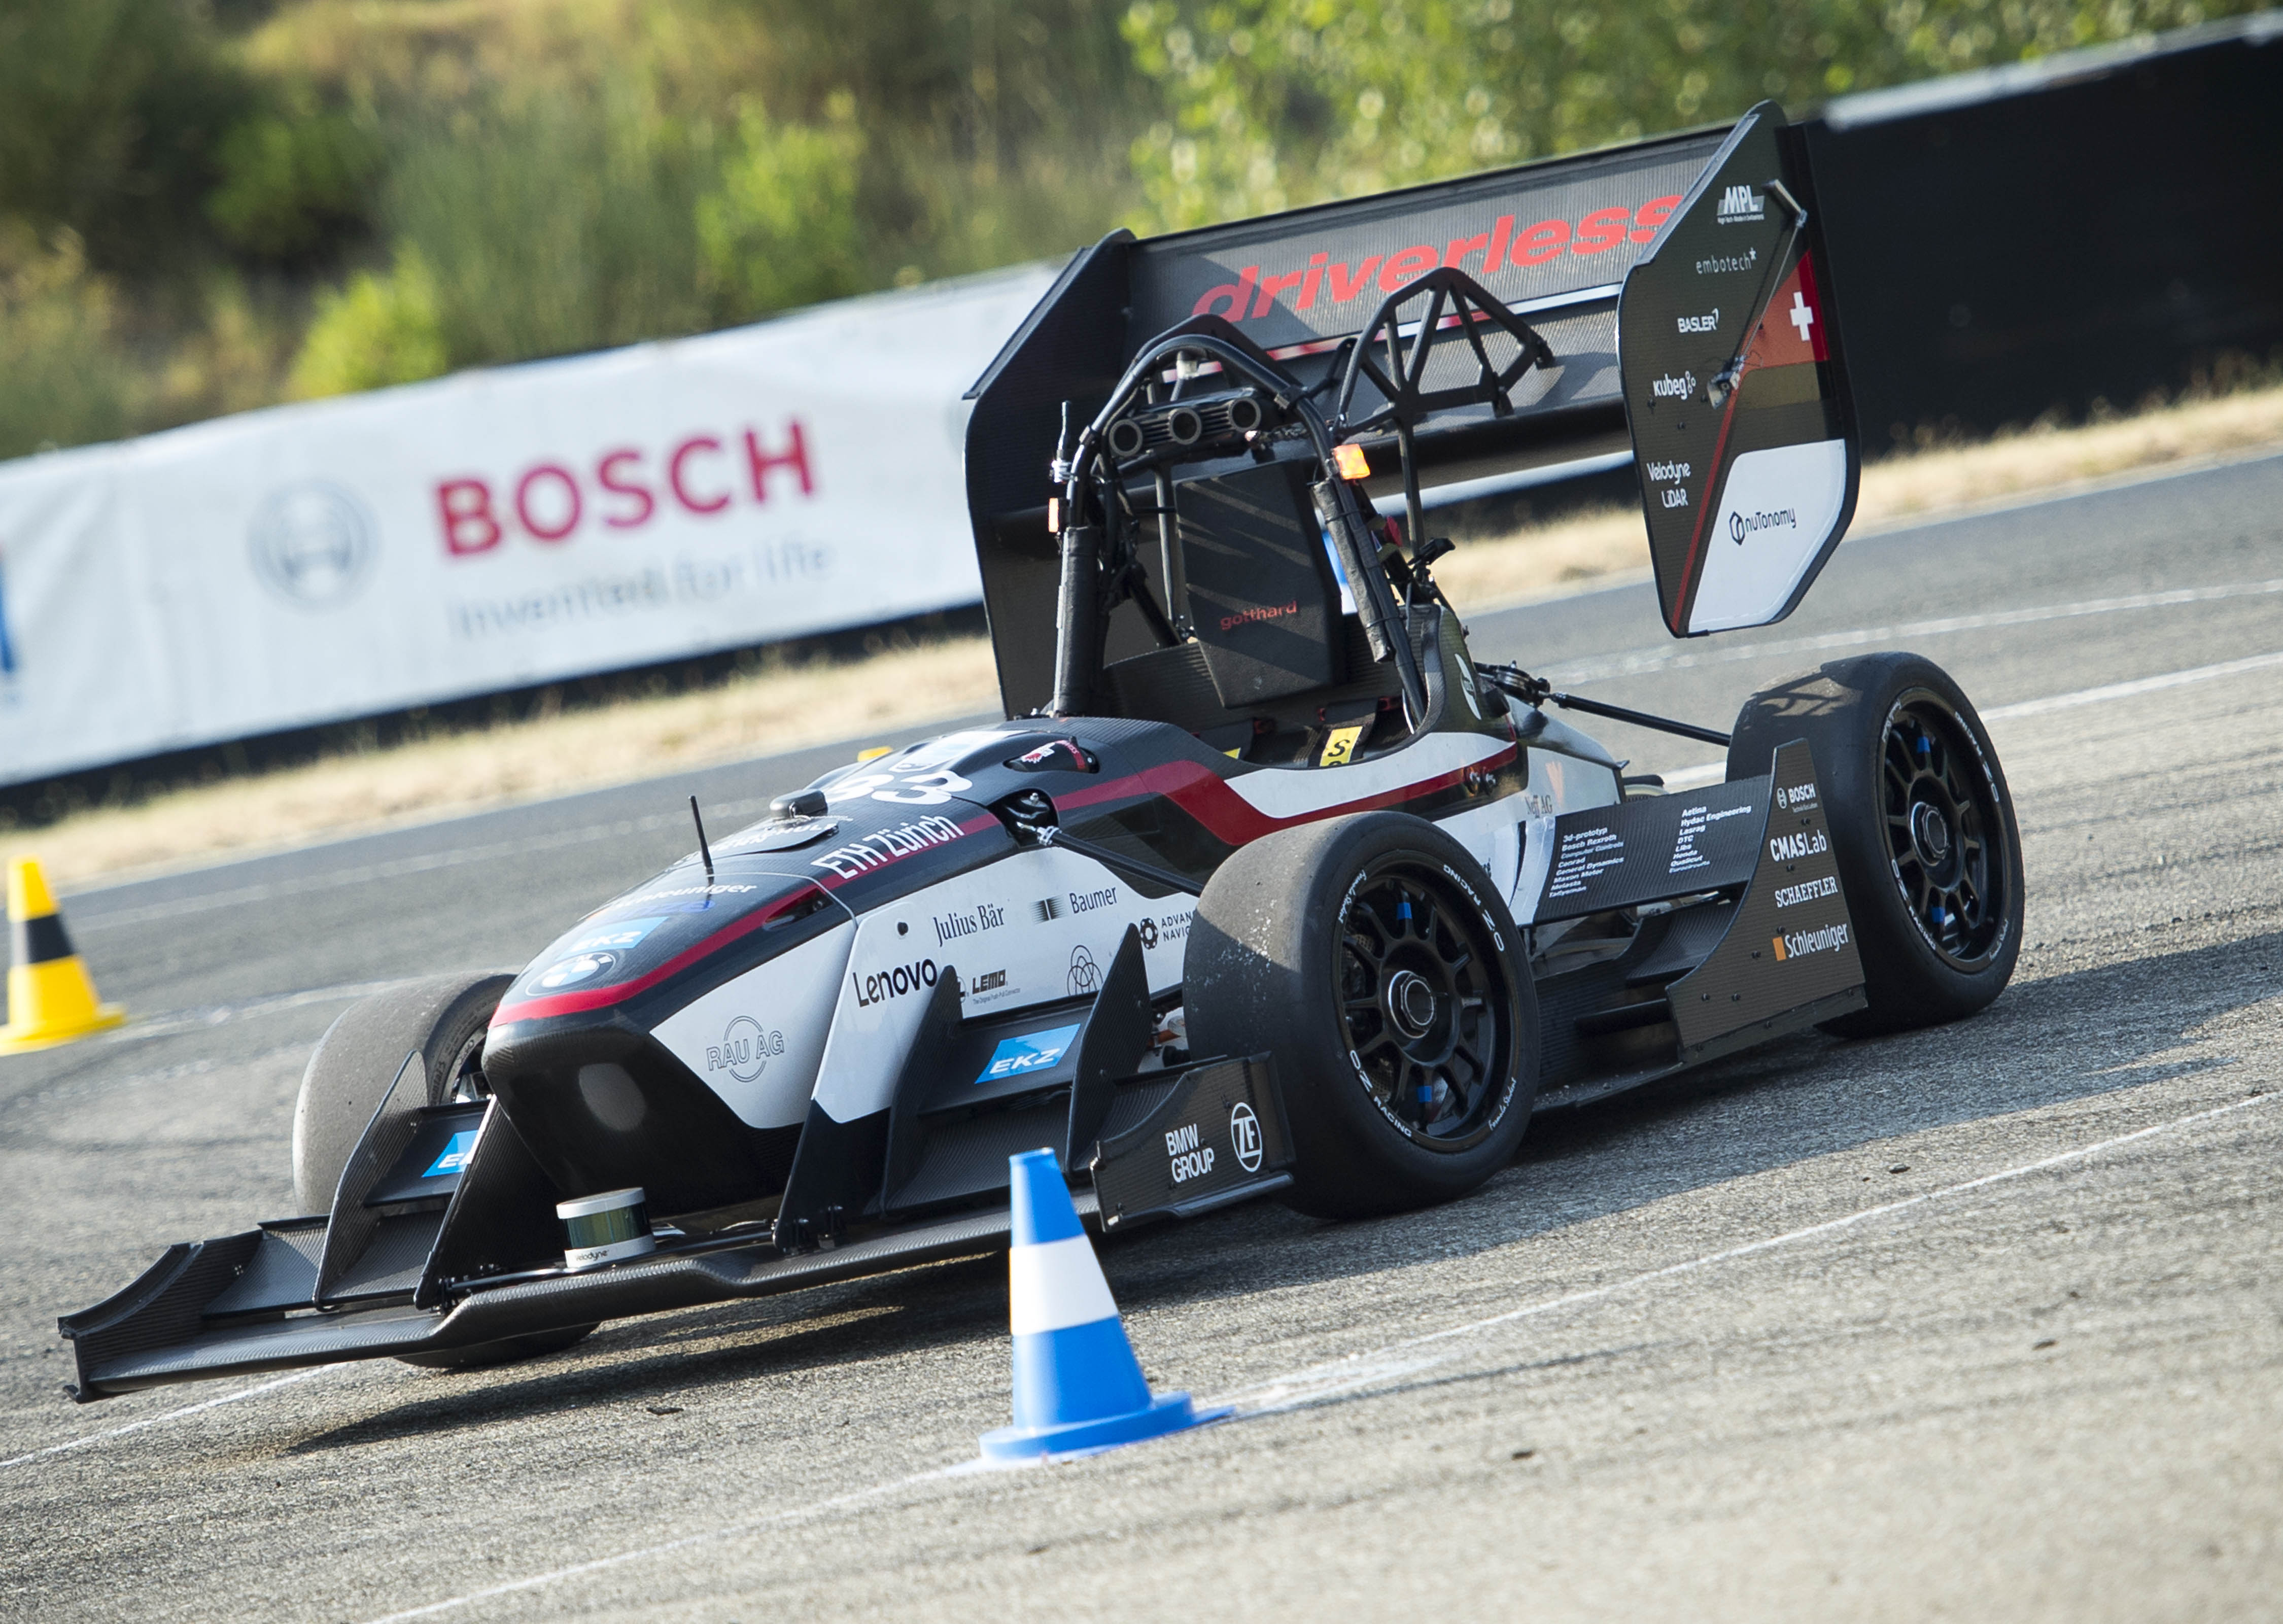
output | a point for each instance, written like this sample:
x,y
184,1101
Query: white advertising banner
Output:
x,y
493,529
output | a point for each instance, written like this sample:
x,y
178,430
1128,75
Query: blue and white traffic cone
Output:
x,y
1077,1387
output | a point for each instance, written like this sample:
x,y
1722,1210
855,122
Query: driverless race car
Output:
x,y
1265,886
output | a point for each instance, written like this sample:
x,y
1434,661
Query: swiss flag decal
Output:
x,y
1792,330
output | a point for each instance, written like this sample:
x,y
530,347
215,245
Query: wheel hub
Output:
x,y
1945,830
1424,1008
1930,834
1410,1004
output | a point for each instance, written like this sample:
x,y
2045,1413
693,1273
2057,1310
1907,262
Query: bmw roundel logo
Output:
x,y
577,967
312,545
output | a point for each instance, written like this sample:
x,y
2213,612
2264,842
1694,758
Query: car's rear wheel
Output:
x,y
1371,956
1922,825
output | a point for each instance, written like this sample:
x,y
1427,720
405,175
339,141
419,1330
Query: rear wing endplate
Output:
x,y
1743,437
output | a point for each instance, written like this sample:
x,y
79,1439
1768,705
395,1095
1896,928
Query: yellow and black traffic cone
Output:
x,y
51,997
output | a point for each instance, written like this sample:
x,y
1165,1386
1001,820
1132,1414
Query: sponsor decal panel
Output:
x,y
877,851
745,1049
896,981
1188,1158
1245,1137
1311,279
579,967
1740,204
1807,891
1057,755
1743,525
1032,1052
1258,612
949,927
1721,264
1585,854
1694,822
1800,944
623,934
454,1157
1792,847
1165,929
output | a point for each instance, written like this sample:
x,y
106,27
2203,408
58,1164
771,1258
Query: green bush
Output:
x,y
64,379
379,330
779,227
551,226
293,185
110,110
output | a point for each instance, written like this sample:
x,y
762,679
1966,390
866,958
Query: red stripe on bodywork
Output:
x,y
602,997
1704,511
1195,788
1233,820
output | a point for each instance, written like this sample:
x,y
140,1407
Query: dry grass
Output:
x,y
784,708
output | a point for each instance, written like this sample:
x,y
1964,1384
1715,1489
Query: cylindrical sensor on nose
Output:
x,y
605,1228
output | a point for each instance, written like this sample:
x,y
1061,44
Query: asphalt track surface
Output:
x,y
1984,1322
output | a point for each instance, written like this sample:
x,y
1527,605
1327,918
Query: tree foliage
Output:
x,y
1269,104
206,205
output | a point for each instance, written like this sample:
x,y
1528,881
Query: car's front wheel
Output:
x,y
1370,956
350,1072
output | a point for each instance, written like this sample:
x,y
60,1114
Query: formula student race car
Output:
x,y
1265,886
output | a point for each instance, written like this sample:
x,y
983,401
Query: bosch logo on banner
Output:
x,y
626,488
312,545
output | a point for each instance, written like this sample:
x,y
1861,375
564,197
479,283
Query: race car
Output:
x,y
1264,886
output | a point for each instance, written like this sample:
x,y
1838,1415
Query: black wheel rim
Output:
x,y
1425,1010
1945,831
464,1083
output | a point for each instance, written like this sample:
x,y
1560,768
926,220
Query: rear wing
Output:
x,y
1608,256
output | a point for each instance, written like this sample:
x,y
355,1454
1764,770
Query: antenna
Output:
x,y
704,850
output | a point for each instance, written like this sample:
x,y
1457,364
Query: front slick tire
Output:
x,y
1921,823
1372,958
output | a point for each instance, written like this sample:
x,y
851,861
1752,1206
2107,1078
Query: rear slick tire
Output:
x,y
1372,958
1922,825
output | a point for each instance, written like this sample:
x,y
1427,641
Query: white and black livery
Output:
x,y
1264,886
